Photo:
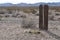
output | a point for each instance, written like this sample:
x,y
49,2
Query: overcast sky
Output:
x,y
26,1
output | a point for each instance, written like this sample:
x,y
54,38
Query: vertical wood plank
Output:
x,y
46,17
41,17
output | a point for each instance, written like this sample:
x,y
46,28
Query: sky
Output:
x,y
26,1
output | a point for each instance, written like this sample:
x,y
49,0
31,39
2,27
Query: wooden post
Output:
x,y
41,17
46,17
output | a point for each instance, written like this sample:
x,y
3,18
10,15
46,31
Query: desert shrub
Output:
x,y
58,10
6,15
33,11
23,16
28,23
14,16
37,14
52,18
1,12
57,14
17,14
10,12
27,11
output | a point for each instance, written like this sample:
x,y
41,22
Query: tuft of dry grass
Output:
x,y
28,23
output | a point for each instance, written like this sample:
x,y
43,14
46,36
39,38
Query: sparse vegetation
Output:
x,y
33,11
52,18
28,23
57,8
14,16
11,28
6,15
10,12
27,11
1,12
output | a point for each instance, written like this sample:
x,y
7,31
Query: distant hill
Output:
x,y
36,4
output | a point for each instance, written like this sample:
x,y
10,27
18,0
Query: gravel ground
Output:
x,y
12,30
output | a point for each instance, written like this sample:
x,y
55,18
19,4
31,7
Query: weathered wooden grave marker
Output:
x,y
43,17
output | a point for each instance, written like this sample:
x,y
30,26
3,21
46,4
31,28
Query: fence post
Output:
x,y
43,17
46,17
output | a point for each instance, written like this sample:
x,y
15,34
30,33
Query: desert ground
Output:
x,y
13,24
